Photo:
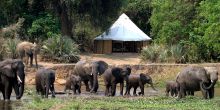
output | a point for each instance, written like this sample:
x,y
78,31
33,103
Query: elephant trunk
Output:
x,y
210,86
21,91
152,86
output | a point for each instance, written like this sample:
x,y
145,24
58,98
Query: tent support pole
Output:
x,y
122,47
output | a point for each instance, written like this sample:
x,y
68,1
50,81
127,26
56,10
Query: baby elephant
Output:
x,y
44,80
138,80
73,82
172,88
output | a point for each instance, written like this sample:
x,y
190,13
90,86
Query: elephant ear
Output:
x,y
7,71
102,66
128,70
116,72
144,77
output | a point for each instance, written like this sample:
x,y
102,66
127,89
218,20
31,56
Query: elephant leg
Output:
x,y
107,89
211,93
87,85
204,93
113,89
47,90
182,91
121,88
167,92
128,90
52,90
172,93
8,90
79,90
134,92
43,91
142,89
74,89
95,85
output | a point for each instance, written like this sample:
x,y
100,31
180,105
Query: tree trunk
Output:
x,y
66,24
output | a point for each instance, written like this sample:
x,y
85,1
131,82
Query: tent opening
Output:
x,y
124,46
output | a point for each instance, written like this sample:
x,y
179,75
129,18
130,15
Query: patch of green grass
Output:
x,y
125,103
144,103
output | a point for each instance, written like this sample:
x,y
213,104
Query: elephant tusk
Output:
x,y
212,81
19,79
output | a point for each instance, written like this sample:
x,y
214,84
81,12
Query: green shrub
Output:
x,y
177,53
10,46
151,53
60,49
43,28
161,53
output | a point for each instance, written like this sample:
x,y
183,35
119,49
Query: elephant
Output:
x,y
28,50
115,75
138,80
196,78
44,80
89,71
212,72
12,75
172,88
73,82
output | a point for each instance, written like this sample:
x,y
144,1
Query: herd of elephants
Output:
x,y
12,77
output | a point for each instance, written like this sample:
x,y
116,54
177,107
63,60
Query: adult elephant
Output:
x,y
115,75
194,78
89,71
44,80
138,80
28,50
12,76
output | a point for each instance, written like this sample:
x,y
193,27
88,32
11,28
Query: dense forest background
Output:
x,y
187,30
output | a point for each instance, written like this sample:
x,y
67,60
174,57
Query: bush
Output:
x,y
60,49
152,53
160,53
43,28
10,46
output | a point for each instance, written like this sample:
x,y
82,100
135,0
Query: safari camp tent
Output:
x,y
122,36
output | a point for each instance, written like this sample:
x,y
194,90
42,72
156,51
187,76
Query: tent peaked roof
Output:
x,y
124,30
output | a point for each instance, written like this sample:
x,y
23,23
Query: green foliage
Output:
x,y
43,28
61,49
208,27
10,46
161,53
119,103
171,20
139,11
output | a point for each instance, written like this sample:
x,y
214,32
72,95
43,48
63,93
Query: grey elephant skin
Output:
x,y
115,75
89,71
138,80
73,83
195,78
172,88
12,76
28,50
44,80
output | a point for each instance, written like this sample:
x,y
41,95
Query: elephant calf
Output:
x,y
44,80
172,88
138,80
73,82
115,75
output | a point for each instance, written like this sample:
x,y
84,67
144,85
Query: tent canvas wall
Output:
x,y
123,36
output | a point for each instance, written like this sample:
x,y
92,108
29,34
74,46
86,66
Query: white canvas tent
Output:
x,y
122,30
